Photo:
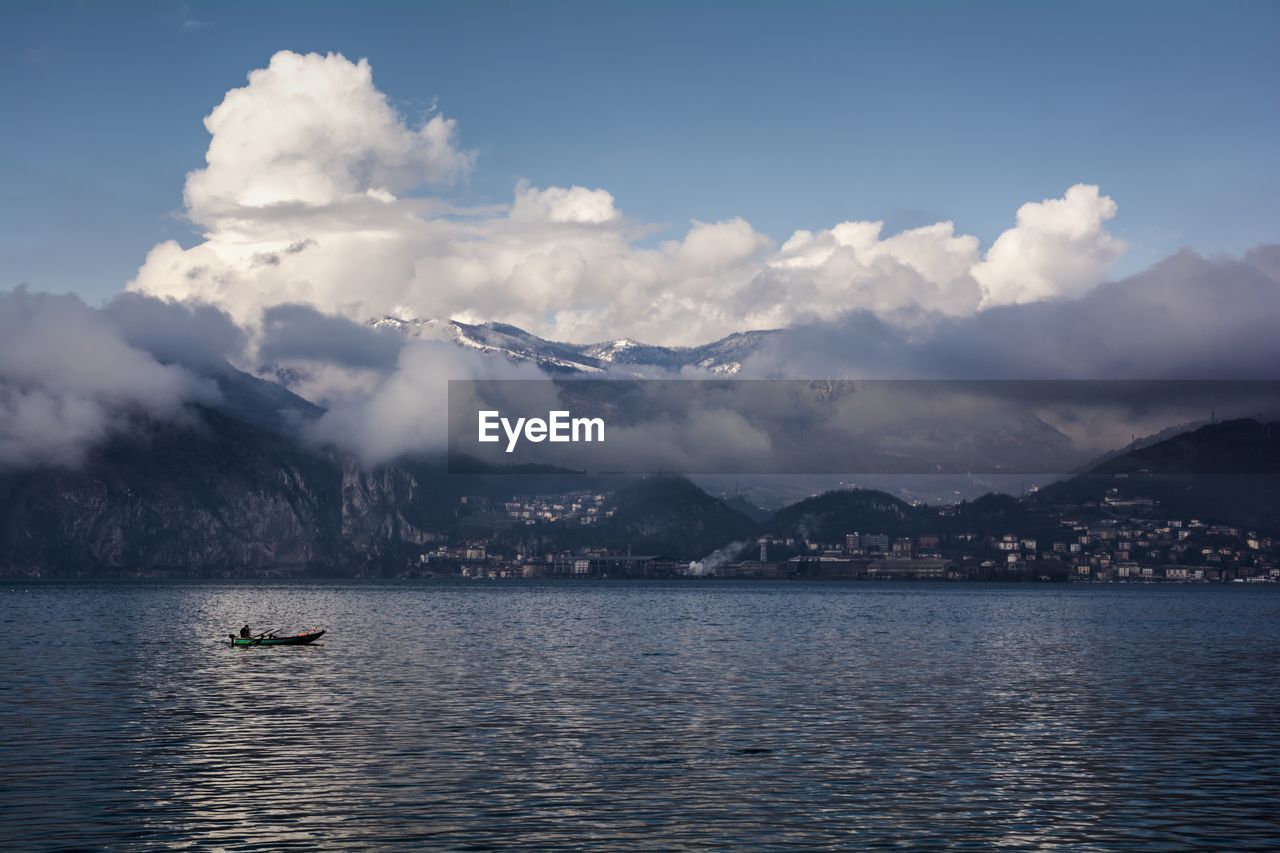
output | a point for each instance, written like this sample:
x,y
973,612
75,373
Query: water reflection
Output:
x,y
598,714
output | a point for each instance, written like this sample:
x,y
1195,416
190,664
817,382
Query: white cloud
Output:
x,y
712,247
406,411
557,204
69,378
1187,317
313,130
303,200
1059,247
850,267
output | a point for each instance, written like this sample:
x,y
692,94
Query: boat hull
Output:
x,y
297,640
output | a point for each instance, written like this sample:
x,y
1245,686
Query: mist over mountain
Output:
x,y
1212,316
310,329
237,482
618,358
1185,317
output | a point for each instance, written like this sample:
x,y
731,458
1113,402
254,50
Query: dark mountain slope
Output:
x,y
828,517
739,503
215,492
669,516
1227,473
259,403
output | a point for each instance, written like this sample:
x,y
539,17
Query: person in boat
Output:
x,y
245,633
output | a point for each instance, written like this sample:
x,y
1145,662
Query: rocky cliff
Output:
x,y
213,494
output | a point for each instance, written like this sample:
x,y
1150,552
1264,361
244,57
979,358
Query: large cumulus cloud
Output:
x,y
312,130
311,195
1058,248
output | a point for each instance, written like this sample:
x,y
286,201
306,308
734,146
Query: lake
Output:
x,y
608,714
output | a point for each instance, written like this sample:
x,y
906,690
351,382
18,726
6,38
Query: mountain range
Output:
x,y
232,488
619,357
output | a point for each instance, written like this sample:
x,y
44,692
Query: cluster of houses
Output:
x,y
1183,550
582,508
1113,546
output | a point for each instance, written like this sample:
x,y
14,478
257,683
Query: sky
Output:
x,y
900,190
788,115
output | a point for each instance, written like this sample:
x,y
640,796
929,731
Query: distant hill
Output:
x,y
1244,446
1227,473
1145,441
828,517
1224,473
739,503
669,516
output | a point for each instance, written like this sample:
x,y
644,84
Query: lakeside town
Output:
x,y
1122,540
1122,536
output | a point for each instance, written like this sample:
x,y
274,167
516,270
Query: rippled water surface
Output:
x,y
603,714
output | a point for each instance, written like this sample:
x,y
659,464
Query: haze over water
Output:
x,y
597,713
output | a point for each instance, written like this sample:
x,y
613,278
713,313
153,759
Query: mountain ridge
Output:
x,y
235,488
622,356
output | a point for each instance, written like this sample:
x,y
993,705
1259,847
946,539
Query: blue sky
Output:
x,y
791,115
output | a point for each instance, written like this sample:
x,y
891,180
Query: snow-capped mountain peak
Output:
x,y
623,356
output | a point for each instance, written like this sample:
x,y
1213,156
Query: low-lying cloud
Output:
x,y
193,334
301,333
1187,317
70,375
405,411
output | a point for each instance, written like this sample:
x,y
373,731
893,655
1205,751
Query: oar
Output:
x,y
258,639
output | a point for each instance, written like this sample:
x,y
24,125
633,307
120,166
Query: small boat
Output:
x,y
272,640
